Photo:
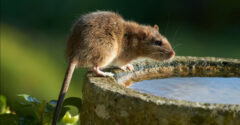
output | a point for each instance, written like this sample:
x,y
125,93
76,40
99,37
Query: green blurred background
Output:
x,y
34,33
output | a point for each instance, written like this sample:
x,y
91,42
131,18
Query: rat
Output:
x,y
103,38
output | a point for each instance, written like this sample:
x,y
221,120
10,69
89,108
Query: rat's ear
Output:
x,y
142,34
156,27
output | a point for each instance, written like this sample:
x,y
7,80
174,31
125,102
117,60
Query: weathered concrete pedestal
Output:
x,y
106,101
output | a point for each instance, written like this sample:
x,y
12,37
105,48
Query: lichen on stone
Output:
x,y
101,111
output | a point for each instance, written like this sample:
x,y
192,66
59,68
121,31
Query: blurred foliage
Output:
x,y
59,14
33,36
35,112
26,64
69,120
3,104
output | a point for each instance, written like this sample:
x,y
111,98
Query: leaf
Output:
x,y
63,112
68,119
48,112
8,119
73,101
53,102
28,120
40,112
3,104
27,115
28,98
31,112
49,108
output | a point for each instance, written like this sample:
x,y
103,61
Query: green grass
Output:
x,y
32,68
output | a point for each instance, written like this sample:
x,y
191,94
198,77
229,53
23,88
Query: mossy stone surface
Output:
x,y
107,101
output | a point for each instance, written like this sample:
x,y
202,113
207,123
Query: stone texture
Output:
x,y
107,101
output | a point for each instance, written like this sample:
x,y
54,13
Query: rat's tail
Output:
x,y
63,91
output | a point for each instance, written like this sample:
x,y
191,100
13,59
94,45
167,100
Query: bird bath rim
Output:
x,y
178,67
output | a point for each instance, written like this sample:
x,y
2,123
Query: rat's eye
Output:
x,y
158,43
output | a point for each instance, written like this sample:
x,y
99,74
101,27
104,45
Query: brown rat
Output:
x,y
104,38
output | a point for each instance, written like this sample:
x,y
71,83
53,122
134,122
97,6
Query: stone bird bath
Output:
x,y
109,101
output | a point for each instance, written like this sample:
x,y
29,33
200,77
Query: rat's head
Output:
x,y
154,45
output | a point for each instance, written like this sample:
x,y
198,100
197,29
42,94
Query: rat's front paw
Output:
x,y
128,66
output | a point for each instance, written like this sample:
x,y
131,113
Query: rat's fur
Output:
x,y
104,38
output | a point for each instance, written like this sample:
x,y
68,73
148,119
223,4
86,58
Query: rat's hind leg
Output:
x,y
102,61
103,53
101,73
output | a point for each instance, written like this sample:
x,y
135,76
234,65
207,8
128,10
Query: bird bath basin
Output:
x,y
221,90
185,91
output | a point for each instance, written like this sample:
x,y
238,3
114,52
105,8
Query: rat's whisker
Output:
x,y
175,34
157,53
177,45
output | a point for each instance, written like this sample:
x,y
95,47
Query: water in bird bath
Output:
x,y
224,90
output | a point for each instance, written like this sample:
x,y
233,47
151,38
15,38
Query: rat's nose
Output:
x,y
172,54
